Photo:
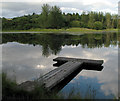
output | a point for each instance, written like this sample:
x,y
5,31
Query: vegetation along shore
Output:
x,y
52,19
69,30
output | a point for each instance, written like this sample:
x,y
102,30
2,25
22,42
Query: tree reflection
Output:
x,y
52,43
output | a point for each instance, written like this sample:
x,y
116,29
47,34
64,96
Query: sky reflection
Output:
x,y
26,62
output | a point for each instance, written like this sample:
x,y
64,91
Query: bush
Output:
x,y
75,24
98,25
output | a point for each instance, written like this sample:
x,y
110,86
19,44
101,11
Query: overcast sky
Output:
x,y
13,8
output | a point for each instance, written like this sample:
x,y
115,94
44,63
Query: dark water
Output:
x,y
28,56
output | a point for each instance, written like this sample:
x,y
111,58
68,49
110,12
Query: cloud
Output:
x,y
26,63
19,8
14,9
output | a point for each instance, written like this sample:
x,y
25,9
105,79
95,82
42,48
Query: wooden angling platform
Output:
x,y
67,70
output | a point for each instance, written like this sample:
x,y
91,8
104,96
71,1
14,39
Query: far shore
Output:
x,y
67,31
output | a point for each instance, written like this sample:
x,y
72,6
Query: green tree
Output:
x,y
67,18
84,20
108,20
55,17
91,20
98,25
75,24
44,16
114,21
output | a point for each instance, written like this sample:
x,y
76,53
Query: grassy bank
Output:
x,y
70,30
11,90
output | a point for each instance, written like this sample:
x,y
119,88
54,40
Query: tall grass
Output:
x,y
11,91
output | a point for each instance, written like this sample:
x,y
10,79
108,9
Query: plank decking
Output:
x,y
67,70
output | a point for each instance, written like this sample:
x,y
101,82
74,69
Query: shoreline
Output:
x,y
62,31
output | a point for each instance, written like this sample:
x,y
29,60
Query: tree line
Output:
x,y
53,18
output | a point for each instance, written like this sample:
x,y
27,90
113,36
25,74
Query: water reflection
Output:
x,y
27,56
52,44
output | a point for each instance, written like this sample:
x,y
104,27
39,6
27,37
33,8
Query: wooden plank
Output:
x,y
52,72
60,74
86,61
48,74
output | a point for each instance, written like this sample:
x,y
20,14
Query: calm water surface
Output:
x,y
28,56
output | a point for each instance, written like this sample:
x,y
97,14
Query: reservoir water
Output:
x,y
27,56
